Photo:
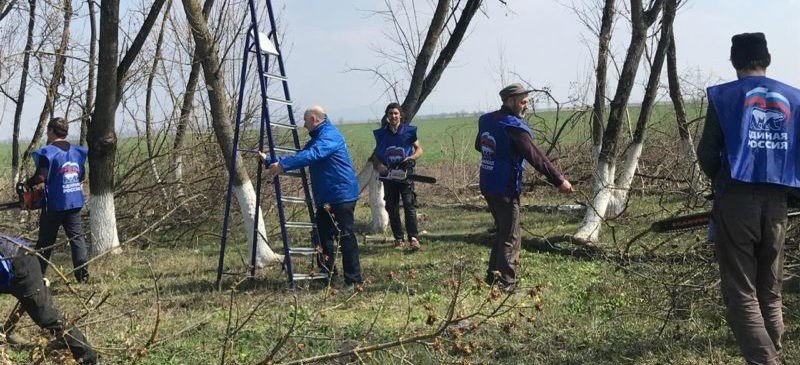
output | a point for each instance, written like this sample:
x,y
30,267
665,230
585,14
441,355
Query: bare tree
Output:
x,y
89,104
205,49
23,84
604,180
687,144
101,136
601,71
425,59
51,91
186,111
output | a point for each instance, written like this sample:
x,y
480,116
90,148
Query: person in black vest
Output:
x,y
397,147
506,142
21,276
749,149
60,167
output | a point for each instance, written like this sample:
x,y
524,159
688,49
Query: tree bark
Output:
x,y
223,131
23,85
604,184
368,178
186,112
136,46
52,86
87,108
101,136
148,113
687,144
424,58
601,71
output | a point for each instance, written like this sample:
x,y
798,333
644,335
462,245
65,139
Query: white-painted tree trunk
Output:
x,y
246,196
368,177
603,190
622,187
178,174
690,156
157,177
103,223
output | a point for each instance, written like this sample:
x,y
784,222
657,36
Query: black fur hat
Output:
x,y
749,50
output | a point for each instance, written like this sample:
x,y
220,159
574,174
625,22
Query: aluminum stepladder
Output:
x,y
265,47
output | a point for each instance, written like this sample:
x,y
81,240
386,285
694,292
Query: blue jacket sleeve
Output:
x,y
318,149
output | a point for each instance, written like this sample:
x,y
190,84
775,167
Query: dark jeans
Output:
x,y
337,226
28,287
49,223
749,230
504,257
393,192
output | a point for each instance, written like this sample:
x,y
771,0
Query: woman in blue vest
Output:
x,y
397,147
60,167
749,149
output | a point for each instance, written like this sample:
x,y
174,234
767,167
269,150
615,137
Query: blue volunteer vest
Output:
x,y
499,167
392,148
758,116
62,189
8,249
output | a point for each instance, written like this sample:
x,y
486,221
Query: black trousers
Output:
x,y
393,192
504,257
49,223
337,226
28,287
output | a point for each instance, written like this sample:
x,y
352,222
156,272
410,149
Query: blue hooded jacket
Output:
x,y
333,179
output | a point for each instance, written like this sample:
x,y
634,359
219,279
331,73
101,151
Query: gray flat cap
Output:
x,y
513,89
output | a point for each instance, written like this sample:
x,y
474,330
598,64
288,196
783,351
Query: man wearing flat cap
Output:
x,y
506,142
749,149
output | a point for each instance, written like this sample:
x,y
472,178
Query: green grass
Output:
x,y
596,310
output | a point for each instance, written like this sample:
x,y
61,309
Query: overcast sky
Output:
x,y
541,40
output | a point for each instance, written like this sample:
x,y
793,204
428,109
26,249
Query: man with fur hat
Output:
x,y
506,142
749,149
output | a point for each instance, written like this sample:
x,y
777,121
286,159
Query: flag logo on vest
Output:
x,y
488,148
768,113
395,154
71,172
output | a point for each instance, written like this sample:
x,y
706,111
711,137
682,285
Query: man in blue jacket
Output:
x,y
60,167
749,149
335,188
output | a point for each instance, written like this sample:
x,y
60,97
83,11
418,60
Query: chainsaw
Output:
x,y
27,198
401,175
699,220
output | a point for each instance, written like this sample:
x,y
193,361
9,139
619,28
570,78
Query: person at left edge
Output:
x,y
21,277
60,167
334,183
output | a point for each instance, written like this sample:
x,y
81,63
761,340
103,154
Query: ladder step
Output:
x,y
279,101
299,225
303,251
293,173
309,277
293,199
283,125
275,76
285,149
